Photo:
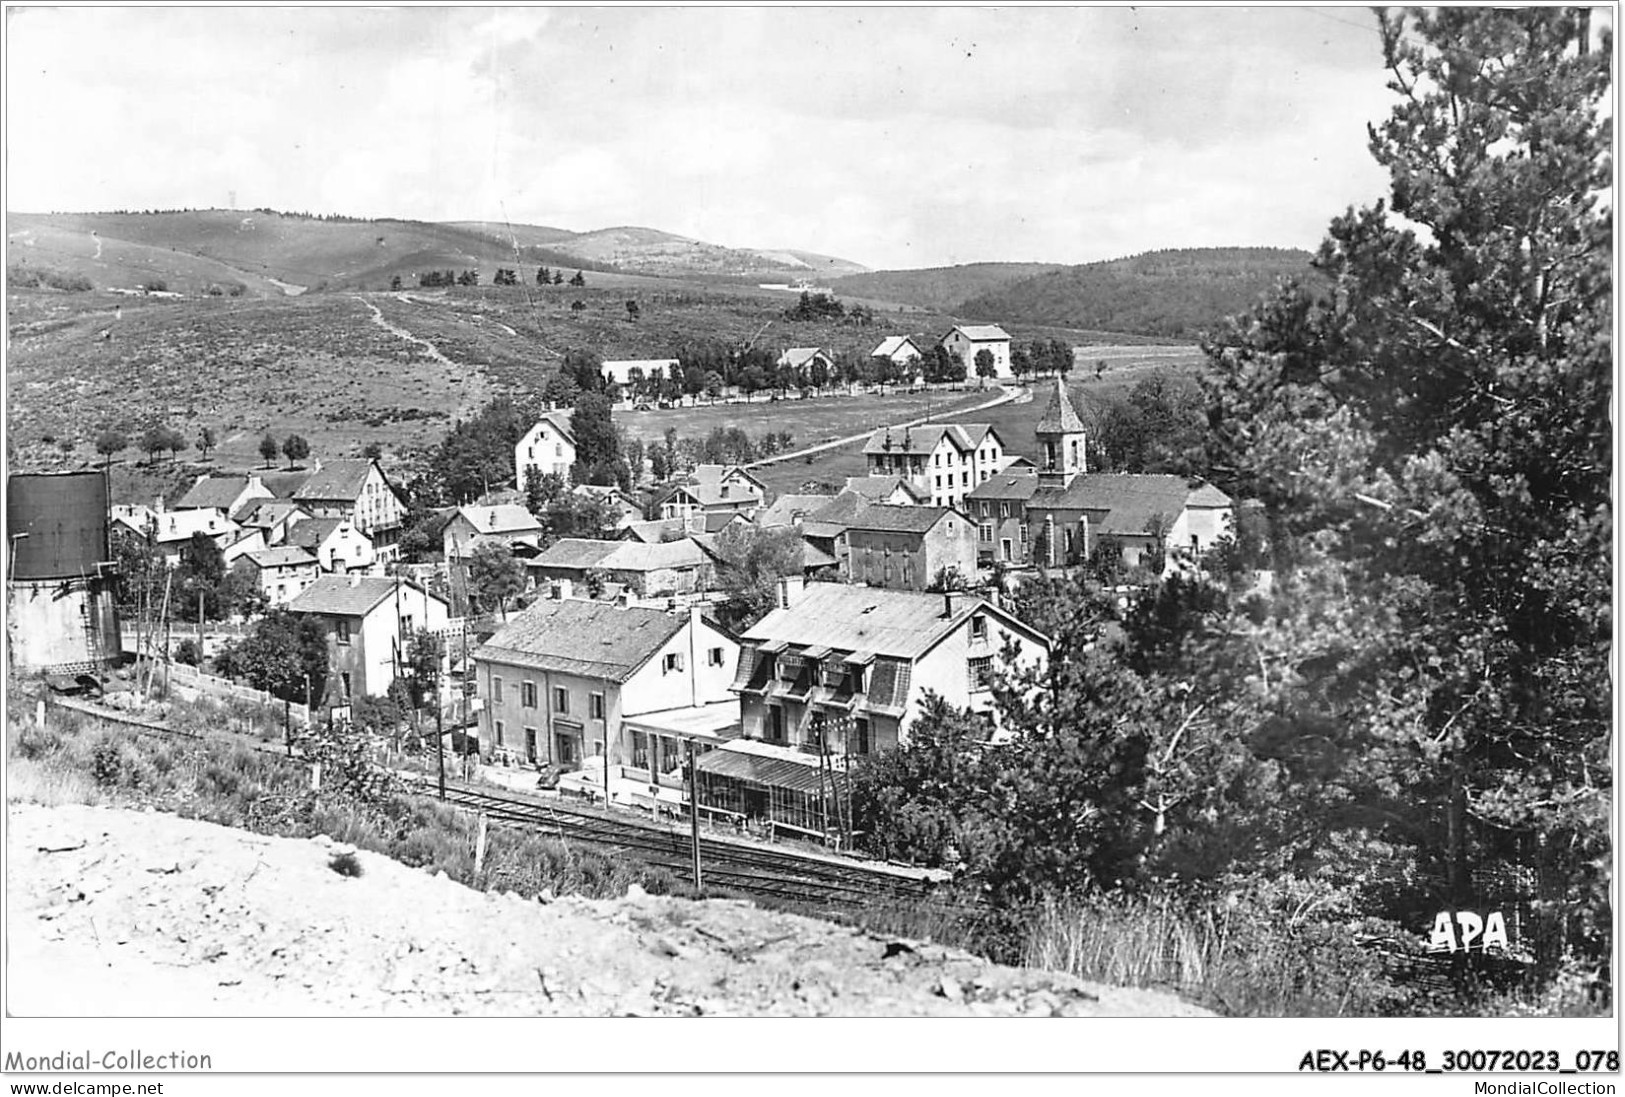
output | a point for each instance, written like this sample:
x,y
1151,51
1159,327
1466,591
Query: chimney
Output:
x,y
790,590
561,590
355,578
947,604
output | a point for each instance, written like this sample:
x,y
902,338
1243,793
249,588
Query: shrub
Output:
x,y
345,864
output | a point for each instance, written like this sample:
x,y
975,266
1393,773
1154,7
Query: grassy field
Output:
x,y
810,421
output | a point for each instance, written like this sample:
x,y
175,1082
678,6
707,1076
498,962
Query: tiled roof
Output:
x,y
284,484
1006,485
895,519
715,474
281,557
840,511
348,595
925,437
900,623
594,639
879,488
213,491
581,553
180,525
558,421
1059,417
502,518
310,532
783,510
982,333
1129,500
265,512
341,478
814,557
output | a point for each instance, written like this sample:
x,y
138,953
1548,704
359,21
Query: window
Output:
x,y
527,695
713,657
496,691
1069,540
640,750
1004,510
775,724
1196,545
964,478
499,733
987,532
978,627
1024,535
345,676
341,630
595,706
980,672
863,735
558,449
561,699
672,662
530,744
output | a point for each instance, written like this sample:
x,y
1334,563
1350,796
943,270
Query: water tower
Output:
x,y
60,616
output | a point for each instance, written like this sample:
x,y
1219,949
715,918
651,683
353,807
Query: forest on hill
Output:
x,y
1177,294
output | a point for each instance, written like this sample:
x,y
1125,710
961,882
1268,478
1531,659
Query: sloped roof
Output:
x,y
982,333
783,510
715,474
887,518
878,488
594,639
800,356
310,532
1129,500
350,595
579,552
214,491
1006,485
814,557
900,623
925,437
656,531
180,525
892,344
841,510
1059,416
341,478
558,421
501,518
284,485
281,557
266,512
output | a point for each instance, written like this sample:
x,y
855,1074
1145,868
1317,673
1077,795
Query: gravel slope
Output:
x,y
126,913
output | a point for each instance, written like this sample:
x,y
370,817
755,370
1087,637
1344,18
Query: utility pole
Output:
x,y
694,814
440,737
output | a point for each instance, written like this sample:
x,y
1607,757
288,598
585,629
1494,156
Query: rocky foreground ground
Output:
x,y
124,913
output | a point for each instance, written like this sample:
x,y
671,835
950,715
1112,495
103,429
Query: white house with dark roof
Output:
x,y
500,523
942,460
336,543
571,682
369,622
648,570
358,491
282,573
169,531
549,447
804,358
274,516
713,490
847,667
966,339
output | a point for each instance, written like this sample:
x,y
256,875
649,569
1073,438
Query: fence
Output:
x,y
191,678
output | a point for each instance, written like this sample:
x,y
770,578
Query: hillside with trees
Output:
x,y
1175,294
939,289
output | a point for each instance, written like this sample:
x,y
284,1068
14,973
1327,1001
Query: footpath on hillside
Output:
x,y
116,912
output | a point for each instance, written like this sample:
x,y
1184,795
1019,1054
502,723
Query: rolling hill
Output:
x,y
1176,294
262,252
936,288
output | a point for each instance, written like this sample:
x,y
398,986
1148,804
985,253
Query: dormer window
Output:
x,y
978,627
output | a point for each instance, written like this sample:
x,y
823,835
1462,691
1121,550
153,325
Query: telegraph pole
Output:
x,y
694,814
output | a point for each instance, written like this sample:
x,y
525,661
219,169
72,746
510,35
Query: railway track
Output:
x,y
733,864
726,862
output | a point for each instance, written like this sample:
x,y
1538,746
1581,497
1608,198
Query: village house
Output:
x,y
789,509
899,349
965,340
549,447
239,545
1056,515
335,542
907,548
501,524
846,668
281,574
713,490
224,493
622,690
942,460
274,517
358,492
616,502
804,358
169,531
897,491
369,622
647,570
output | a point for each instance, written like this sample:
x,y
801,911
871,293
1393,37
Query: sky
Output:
x,y
893,137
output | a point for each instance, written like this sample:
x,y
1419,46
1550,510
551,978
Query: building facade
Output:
x,y
944,462
907,548
369,622
549,448
965,340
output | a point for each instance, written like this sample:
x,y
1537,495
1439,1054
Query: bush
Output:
x,y
186,652
345,864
